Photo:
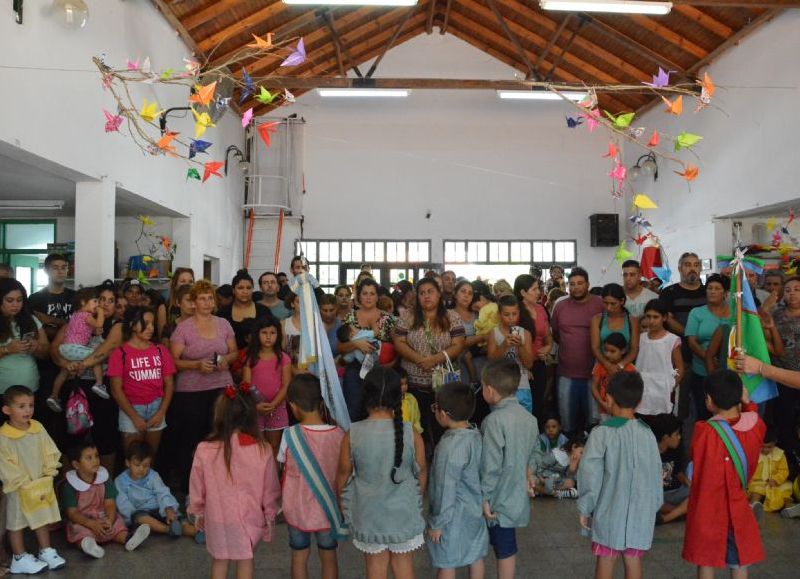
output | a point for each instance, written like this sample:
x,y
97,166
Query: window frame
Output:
x,y
530,242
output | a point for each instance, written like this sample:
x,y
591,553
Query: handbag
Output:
x,y
444,373
37,494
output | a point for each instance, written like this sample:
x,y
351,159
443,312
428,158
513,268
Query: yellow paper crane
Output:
x,y
150,111
642,201
202,122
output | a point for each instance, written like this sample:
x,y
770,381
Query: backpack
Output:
x,y
79,418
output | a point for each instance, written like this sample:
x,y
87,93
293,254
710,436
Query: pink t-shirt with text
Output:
x,y
142,371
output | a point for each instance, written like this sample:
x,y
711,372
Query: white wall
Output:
x,y
485,169
59,116
749,156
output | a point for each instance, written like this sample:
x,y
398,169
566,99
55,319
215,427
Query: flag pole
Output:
x,y
740,281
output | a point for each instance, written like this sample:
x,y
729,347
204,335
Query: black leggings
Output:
x,y
188,423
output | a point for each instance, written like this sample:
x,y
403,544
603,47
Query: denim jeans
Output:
x,y
575,399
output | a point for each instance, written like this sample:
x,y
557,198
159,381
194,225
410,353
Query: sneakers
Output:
x,y
54,405
566,494
91,548
138,537
52,558
27,564
176,528
758,510
101,391
200,538
792,512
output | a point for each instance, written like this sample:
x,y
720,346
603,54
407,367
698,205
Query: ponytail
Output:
x,y
398,439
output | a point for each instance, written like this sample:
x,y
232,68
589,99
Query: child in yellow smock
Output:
x,y
770,487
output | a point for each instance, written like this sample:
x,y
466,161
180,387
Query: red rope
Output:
x,y
249,245
278,242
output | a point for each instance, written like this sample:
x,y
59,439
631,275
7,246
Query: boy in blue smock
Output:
x,y
510,456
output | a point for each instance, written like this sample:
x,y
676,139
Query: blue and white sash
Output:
x,y
314,477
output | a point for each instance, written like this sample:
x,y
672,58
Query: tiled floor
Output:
x,y
550,547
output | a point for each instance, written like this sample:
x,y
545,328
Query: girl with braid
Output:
x,y
381,480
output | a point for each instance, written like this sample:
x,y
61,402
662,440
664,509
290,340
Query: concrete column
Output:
x,y
95,211
182,236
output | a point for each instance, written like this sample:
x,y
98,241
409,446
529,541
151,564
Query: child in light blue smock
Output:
x,y
382,484
457,534
509,459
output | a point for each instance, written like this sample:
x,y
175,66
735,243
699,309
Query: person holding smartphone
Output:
x,y
22,339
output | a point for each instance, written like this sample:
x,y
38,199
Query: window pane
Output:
x,y
461,251
328,274
396,275
373,251
346,251
476,251
520,251
312,269
309,250
424,251
395,251
356,255
328,251
542,251
498,251
565,251
352,274
376,273
449,251
29,235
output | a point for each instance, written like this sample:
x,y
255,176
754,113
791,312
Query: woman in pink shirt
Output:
x,y
534,318
203,347
141,375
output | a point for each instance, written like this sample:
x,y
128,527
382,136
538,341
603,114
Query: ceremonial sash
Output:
x,y
734,447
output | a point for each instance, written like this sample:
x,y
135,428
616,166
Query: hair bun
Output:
x,y
242,271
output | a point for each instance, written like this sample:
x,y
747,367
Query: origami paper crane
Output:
x,y
621,121
635,132
618,173
212,168
150,111
653,142
260,43
771,222
642,201
147,68
192,173
791,216
639,220
686,140
707,89
265,129
220,104
247,117
689,172
145,220
132,64
622,253
592,119
165,142
192,66
249,86
198,147
573,122
663,273
660,80
203,94
202,122
112,121
166,74
612,151
298,56
265,96
674,107
288,97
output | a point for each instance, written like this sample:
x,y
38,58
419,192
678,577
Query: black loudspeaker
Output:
x,y
604,229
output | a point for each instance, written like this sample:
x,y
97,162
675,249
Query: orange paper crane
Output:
x,y
165,143
689,172
260,43
204,94
212,168
265,129
612,151
675,107
653,142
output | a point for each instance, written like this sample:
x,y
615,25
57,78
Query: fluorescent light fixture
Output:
x,y
353,2
620,6
540,95
31,205
364,92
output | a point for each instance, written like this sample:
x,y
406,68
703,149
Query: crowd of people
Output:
x,y
480,396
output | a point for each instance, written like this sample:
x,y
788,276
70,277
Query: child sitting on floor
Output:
x,y
89,500
143,498
557,475
769,489
667,430
553,436
620,482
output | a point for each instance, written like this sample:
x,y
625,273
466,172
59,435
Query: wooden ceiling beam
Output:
x,y
290,29
431,12
243,25
169,15
340,46
713,26
390,44
484,16
765,4
613,60
550,43
443,27
634,45
493,39
532,73
313,80
207,13
669,35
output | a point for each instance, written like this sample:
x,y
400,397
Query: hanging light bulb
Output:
x,y
649,167
72,14
635,173
646,166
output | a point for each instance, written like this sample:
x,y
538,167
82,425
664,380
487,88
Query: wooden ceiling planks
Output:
x,y
607,49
